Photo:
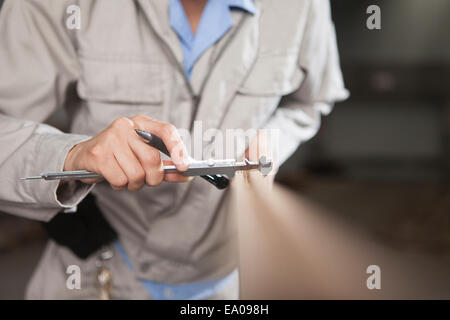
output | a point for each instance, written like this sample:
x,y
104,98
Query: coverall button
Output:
x,y
145,266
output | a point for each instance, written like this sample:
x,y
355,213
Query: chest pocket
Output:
x,y
273,75
121,81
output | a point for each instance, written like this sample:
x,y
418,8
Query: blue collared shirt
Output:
x,y
214,23
185,291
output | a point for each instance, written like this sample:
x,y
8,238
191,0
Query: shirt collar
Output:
x,y
216,19
178,19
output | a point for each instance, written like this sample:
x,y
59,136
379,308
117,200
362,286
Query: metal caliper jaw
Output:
x,y
226,167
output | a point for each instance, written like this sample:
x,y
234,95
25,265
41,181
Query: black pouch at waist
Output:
x,y
83,232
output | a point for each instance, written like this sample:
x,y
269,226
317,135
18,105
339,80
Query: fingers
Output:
x,y
258,147
119,157
175,177
131,167
169,134
150,161
99,158
124,159
114,174
142,164
261,145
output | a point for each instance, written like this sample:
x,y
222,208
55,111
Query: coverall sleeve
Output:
x,y
37,66
298,116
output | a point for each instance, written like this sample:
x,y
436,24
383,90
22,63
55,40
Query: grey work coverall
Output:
x,y
276,69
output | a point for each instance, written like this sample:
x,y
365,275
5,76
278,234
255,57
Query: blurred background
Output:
x,y
381,159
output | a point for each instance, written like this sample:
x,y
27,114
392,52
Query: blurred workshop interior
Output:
x,y
381,159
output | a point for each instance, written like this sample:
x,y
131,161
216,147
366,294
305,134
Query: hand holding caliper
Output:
x,y
210,170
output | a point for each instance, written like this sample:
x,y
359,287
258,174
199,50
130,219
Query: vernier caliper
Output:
x,y
211,170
